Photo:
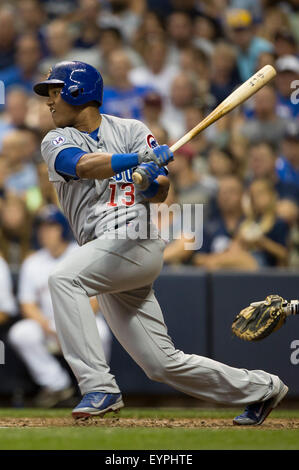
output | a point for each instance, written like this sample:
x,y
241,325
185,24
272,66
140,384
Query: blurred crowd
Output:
x,y
167,63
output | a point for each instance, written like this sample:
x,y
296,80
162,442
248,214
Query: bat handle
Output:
x,y
137,177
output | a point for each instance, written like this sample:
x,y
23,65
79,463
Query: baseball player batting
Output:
x,y
91,158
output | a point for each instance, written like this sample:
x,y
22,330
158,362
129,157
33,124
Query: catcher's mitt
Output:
x,y
260,319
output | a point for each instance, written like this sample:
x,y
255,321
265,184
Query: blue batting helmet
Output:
x,y
81,83
52,215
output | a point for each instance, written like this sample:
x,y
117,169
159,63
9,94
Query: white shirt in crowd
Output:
x,y
34,275
7,300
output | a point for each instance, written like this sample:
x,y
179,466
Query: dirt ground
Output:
x,y
215,423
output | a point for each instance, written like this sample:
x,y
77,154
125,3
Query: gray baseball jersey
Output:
x,y
91,205
121,273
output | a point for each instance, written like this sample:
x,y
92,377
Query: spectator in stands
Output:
x,y
8,36
287,165
152,108
3,177
224,74
24,72
193,115
55,9
156,72
111,40
39,117
22,172
190,187
265,124
183,93
285,43
205,34
262,164
249,46
32,17
87,16
15,233
180,33
287,83
121,97
15,112
262,232
60,43
124,14
261,239
273,21
34,337
152,25
177,235
221,163
221,230
8,307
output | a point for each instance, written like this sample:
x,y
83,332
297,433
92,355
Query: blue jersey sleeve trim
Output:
x,y
123,161
66,161
164,171
152,190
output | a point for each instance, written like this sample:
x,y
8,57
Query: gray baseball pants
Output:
x,y
121,273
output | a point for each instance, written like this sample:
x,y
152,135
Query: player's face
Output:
x,y
63,114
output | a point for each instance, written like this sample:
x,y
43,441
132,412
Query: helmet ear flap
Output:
x,y
74,90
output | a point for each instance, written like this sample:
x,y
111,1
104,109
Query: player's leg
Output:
x,y
105,335
97,267
28,339
137,322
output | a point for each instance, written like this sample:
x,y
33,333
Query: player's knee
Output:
x,y
156,372
25,332
57,279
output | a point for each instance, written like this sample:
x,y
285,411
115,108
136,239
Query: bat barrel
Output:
x,y
237,97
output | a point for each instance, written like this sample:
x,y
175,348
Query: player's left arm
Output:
x,y
162,190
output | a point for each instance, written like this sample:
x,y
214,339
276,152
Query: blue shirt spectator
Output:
x,y
248,45
286,172
124,103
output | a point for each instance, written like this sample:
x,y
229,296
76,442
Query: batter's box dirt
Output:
x,y
214,423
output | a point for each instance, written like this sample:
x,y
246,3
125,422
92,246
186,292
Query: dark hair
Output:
x,y
266,143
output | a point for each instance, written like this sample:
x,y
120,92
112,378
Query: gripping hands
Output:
x,y
149,172
160,155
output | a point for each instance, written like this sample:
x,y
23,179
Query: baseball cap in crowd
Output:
x,y
186,151
238,18
288,63
286,36
292,132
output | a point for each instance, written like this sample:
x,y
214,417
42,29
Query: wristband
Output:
x,y
123,161
152,190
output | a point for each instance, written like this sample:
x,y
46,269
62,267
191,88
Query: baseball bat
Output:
x,y
237,97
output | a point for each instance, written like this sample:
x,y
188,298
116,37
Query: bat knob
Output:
x,y
137,177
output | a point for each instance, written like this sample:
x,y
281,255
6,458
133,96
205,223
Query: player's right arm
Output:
x,y
70,162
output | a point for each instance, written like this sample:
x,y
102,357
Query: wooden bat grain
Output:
x,y
237,97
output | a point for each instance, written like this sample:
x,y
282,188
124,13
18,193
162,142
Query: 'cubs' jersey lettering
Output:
x,y
90,205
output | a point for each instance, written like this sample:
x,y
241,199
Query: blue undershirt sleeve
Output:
x,y
66,161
